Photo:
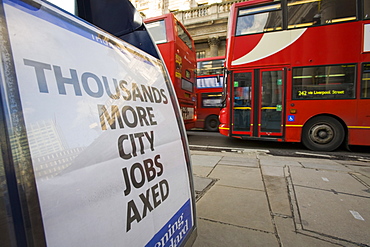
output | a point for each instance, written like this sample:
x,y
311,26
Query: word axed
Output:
x,y
149,200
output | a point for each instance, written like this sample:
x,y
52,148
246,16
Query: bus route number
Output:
x,y
302,93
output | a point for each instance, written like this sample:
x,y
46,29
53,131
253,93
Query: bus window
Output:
x,y
184,36
365,84
211,100
210,67
158,31
242,100
366,11
187,85
303,13
316,12
324,82
333,11
261,19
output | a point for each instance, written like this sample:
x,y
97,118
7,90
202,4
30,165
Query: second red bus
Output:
x,y
178,51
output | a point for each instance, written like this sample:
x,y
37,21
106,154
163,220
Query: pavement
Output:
x,y
252,198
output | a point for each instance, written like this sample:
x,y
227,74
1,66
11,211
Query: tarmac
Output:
x,y
252,198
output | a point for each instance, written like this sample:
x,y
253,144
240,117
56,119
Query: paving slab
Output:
x,y
332,181
277,192
340,215
361,172
323,164
275,171
205,160
249,160
237,176
236,206
361,169
353,163
202,171
280,161
289,237
217,234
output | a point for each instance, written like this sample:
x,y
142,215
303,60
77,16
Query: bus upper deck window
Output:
x,y
366,13
319,12
158,31
183,35
333,11
259,19
303,13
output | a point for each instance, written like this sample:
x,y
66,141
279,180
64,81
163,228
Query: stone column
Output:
x,y
213,46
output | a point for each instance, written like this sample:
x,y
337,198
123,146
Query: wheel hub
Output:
x,y
322,134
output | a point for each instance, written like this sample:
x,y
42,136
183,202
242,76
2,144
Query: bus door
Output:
x,y
258,103
242,116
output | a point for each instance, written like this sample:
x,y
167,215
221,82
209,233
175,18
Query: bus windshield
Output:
x,y
210,67
158,31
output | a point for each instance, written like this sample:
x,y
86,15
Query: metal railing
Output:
x,y
205,13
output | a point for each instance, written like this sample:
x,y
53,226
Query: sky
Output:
x,y
67,5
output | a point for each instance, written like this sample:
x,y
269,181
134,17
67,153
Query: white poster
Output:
x,y
107,153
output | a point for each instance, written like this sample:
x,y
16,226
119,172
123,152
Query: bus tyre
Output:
x,y
211,123
322,134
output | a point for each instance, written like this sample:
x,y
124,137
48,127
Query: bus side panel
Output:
x,y
309,109
359,134
169,58
321,45
324,45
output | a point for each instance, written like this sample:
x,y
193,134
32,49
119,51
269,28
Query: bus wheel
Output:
x,y
211,123
322,134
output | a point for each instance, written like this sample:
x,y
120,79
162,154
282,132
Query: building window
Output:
x,y
201,54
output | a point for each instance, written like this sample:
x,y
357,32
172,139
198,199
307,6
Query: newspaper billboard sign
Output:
x,y
105,137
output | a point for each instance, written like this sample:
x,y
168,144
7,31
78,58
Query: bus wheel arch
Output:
x,y
211,123
323,133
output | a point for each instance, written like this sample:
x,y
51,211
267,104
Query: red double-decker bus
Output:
x,y
178,52
209,92
299,71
